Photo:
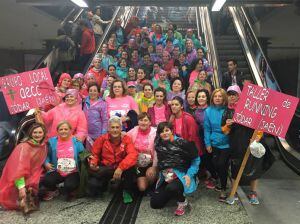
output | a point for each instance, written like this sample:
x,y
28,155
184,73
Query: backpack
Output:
x,y
63,44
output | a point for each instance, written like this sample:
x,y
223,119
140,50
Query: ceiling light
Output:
x,y
80,3
218,5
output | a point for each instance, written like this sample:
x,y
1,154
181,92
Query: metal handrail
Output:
x,y
212,55
242,11
103,38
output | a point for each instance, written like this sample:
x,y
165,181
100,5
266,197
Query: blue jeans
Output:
x,y
5,130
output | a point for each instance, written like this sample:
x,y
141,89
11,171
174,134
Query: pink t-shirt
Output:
x,y
178,126
159,114
120,105
65,157
142,142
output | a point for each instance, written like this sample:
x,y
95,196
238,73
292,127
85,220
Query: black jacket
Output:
x,y
227,80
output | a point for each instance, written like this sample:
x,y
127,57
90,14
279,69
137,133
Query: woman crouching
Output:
x,y
178,164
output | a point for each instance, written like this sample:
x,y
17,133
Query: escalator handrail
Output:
x,y
103,38
242,12
65,20
212,55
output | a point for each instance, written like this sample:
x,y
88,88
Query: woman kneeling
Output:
x,y
178,164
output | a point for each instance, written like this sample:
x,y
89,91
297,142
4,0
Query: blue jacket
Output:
x,y
213,135
52,149
191,172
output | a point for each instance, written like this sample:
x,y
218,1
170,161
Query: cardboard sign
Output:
x,y
27,90
265,110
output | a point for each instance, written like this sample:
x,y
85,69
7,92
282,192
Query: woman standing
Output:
x,y
190,105
143,139
62,162
69,111
178,164
63,84
160,112
122,69
146,99
20,179
95,110
184,124
122,105
176,89
215,141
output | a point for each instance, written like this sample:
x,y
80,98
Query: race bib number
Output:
x,y
66,165
144,160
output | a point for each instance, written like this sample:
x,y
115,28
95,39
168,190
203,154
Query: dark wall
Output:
x,y
12,59
286,73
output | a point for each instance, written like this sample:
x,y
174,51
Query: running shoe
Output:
x,y
181,206
209,183
223,196
253,200
50,195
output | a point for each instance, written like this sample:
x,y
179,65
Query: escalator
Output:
x,y
240,43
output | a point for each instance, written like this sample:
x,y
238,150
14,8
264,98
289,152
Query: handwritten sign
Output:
x,y
27,90
265,110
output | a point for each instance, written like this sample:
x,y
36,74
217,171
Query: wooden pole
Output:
x,y
238,177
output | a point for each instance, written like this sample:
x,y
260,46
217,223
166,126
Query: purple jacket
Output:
x,y
96,116
191,56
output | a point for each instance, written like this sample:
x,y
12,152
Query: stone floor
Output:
x,y
58,211
205,209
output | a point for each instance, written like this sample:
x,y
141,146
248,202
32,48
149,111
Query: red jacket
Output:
x,y
87,42
99,75
189,130
121,156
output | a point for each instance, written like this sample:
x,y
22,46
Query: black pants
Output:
x,y
71,182
206,162
220,160
166,192
98,181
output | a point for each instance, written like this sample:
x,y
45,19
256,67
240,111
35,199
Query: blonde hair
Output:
x,y
62,123
223,93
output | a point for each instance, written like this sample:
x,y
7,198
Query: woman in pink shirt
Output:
x,y
160,111
122,105
143,137
69,111
62,162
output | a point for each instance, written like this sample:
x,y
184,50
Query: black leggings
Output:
x,y
97,182
166,192
71,182
220,160
206,162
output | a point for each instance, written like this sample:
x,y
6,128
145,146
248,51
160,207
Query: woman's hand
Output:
x,y
187,180
229,122
22,192
49,167
151,172
209,149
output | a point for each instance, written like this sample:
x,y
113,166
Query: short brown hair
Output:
x,y
111,92
223,93
143,115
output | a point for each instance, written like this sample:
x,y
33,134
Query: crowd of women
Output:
x,y
144,116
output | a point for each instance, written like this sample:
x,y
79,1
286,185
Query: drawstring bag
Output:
x,y
257,149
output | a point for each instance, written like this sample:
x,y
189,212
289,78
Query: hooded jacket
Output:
x,y
96,116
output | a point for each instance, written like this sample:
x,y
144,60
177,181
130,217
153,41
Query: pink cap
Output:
x,y
234,88
78,75
131,83
73,92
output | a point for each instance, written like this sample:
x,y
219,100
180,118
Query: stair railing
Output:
x,y
212,56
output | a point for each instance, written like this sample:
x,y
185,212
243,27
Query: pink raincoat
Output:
x,y
74,115
25,161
